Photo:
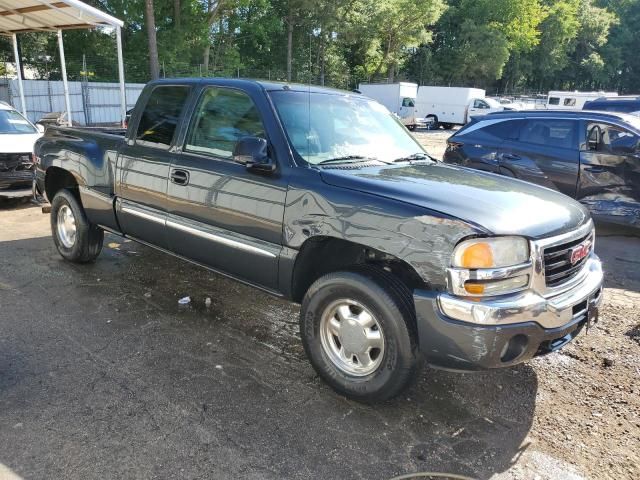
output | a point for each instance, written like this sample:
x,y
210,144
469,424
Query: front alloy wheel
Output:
x,y
352,338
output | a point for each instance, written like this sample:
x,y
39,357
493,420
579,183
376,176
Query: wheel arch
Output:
x,y
56,179
320,255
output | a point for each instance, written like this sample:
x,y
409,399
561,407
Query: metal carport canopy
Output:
x,y
20,16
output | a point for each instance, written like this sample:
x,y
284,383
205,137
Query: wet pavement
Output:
x,y
104,375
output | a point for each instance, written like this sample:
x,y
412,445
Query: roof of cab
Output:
x,y
251,83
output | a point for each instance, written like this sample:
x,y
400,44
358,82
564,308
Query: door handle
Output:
x,y
180,177
594,169
510,156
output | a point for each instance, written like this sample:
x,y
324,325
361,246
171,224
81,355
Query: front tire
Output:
x,y
76,239
358,330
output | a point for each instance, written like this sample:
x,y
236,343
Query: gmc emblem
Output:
x,y
578,252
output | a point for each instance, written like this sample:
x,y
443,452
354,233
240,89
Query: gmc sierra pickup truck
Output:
x,y
323,197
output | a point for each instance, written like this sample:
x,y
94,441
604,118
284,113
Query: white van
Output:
x,y
449,106
399,98
559,100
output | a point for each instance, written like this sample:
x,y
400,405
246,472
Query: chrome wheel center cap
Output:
x,y
351,337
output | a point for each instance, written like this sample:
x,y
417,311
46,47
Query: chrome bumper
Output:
x,y
548,311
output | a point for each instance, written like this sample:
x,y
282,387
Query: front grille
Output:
x,y
15,162
558,268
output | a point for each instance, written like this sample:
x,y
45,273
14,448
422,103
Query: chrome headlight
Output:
x,y
490,266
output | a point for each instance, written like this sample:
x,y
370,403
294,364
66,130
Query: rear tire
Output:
x,y
358,330
433,123
76,239
447,126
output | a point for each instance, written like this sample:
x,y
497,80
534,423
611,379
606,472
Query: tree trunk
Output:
x,y
176,12
322,61
154,63
205,60
289,46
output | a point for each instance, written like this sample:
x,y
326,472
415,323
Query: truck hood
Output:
x,y
500,205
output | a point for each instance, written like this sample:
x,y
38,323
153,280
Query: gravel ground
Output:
x,y
434,140
103,375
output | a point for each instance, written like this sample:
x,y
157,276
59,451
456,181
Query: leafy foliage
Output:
x,y
504,45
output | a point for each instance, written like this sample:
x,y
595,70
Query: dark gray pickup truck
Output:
x,y
322,197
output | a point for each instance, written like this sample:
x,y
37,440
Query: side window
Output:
x,y
480,104
554,101
569,102
611,139
506,130
550,132
222,117
160,115
407,102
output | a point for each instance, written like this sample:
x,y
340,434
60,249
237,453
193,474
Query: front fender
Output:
x,y
422,238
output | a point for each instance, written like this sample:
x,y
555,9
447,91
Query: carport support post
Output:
x,y
63,68
19,71
123,92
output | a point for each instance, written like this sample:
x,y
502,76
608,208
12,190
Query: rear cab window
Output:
x,y
161,114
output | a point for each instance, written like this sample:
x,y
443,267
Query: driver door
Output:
x,y
408,111
221,214
479,107
610,172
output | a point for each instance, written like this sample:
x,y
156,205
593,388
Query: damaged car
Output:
x,y
17,138
593,157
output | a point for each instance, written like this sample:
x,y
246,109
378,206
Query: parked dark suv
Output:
x,y
591,156
615,104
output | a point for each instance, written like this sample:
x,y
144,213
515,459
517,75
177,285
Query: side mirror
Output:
x,y
40,128
252,152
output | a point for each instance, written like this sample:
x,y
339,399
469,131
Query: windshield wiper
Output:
x,y
415,156
349,159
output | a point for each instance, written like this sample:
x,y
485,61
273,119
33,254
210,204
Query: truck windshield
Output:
x,y
332,127
12,122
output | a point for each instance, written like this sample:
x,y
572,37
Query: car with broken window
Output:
x,y
593,157
322,197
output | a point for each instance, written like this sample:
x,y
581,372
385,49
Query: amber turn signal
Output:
x,y
474,288
478,255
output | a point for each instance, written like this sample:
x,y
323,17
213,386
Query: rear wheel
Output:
x,y
432,122
447,126
76,239
358,330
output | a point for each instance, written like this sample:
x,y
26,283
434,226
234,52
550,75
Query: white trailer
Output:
x,y
399,98
449,106
558,100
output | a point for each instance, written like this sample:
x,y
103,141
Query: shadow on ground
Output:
x,y
102,371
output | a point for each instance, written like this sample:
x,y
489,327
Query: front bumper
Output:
x,y
467,334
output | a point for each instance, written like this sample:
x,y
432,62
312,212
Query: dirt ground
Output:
x,y
104,375
435,141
